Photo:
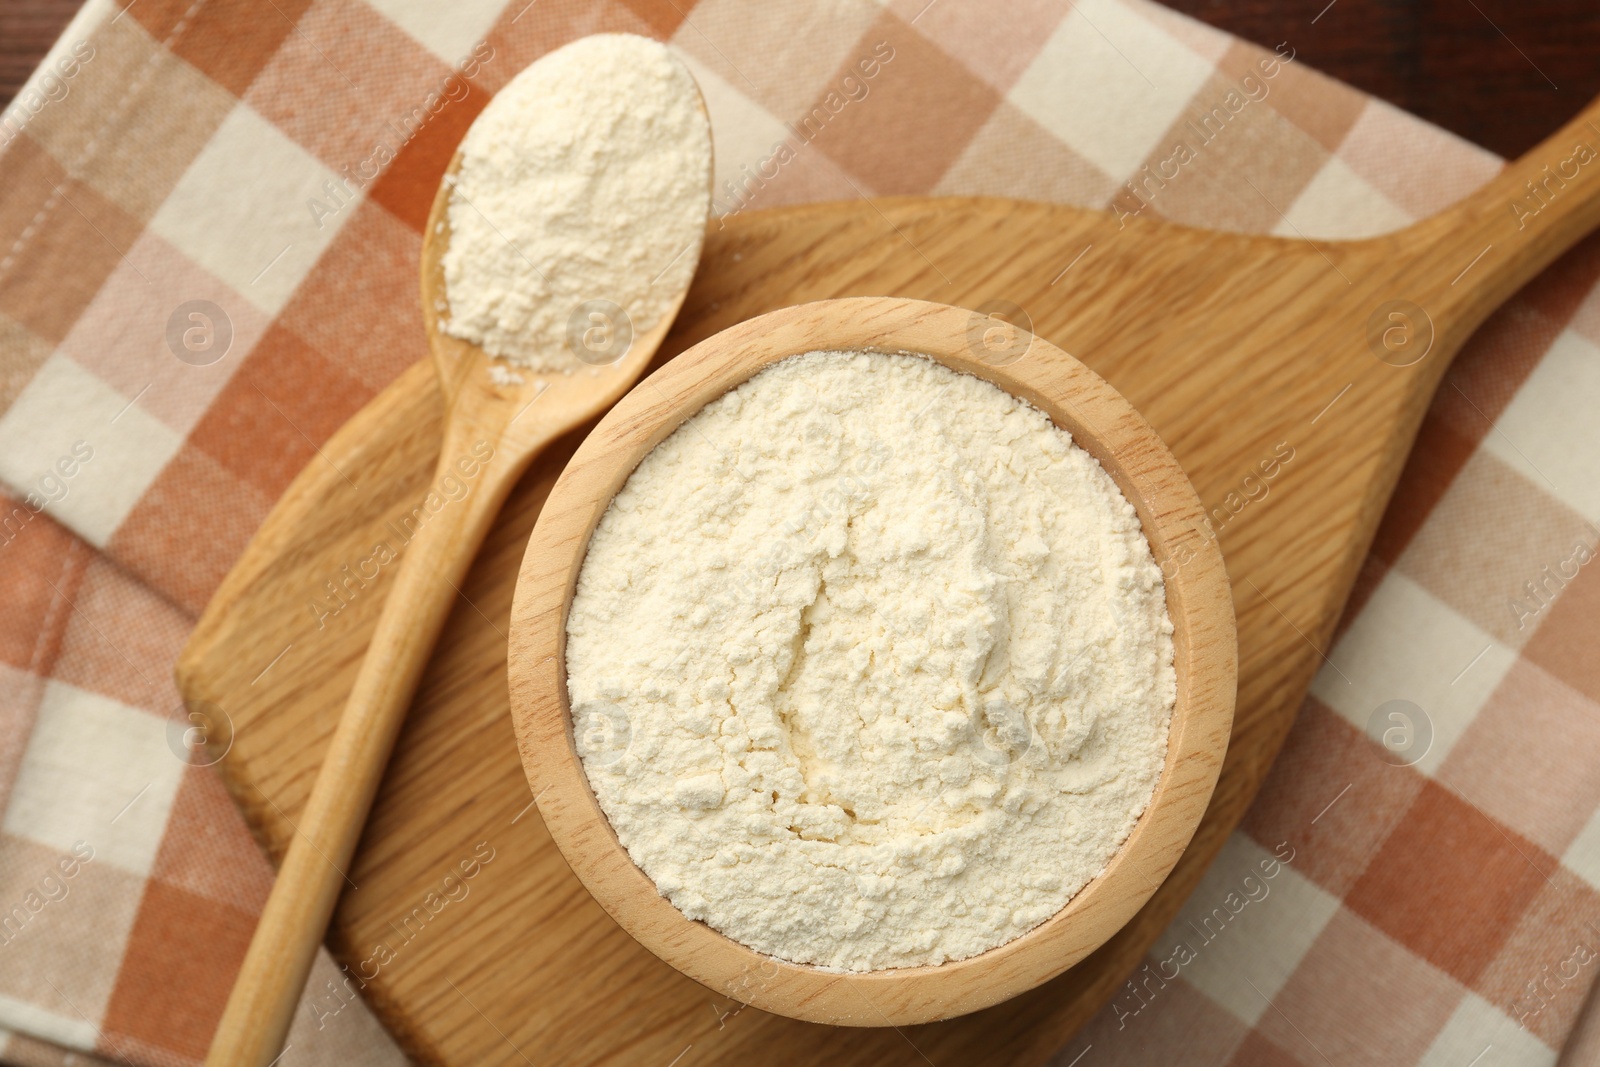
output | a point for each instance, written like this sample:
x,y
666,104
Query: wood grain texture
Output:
x,y
1099,420
27,30
1230,346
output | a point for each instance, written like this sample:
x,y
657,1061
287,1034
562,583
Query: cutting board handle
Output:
x,y
1472,256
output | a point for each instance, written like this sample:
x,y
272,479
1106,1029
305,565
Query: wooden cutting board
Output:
x,y
517,963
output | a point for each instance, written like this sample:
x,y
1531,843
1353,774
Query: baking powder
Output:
x,y
870,665
584,186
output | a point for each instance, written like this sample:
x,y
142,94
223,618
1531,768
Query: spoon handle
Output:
x,y
475,473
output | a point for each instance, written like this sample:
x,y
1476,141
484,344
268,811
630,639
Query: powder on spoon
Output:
x,y
587,178
870,666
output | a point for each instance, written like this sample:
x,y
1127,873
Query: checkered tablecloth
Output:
x,y
266,165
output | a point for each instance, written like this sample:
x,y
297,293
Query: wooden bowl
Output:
x,y
1100,420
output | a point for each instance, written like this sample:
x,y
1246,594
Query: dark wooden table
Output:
x,y
1501,73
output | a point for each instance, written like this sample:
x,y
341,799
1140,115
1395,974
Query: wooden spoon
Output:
x,y
495,424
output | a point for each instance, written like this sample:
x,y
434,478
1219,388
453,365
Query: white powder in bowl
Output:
x,y
870,665
587,178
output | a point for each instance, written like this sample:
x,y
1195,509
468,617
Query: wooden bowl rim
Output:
x,y
1199,601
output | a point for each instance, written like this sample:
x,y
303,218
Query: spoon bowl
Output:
x,y
467,374
1198,601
